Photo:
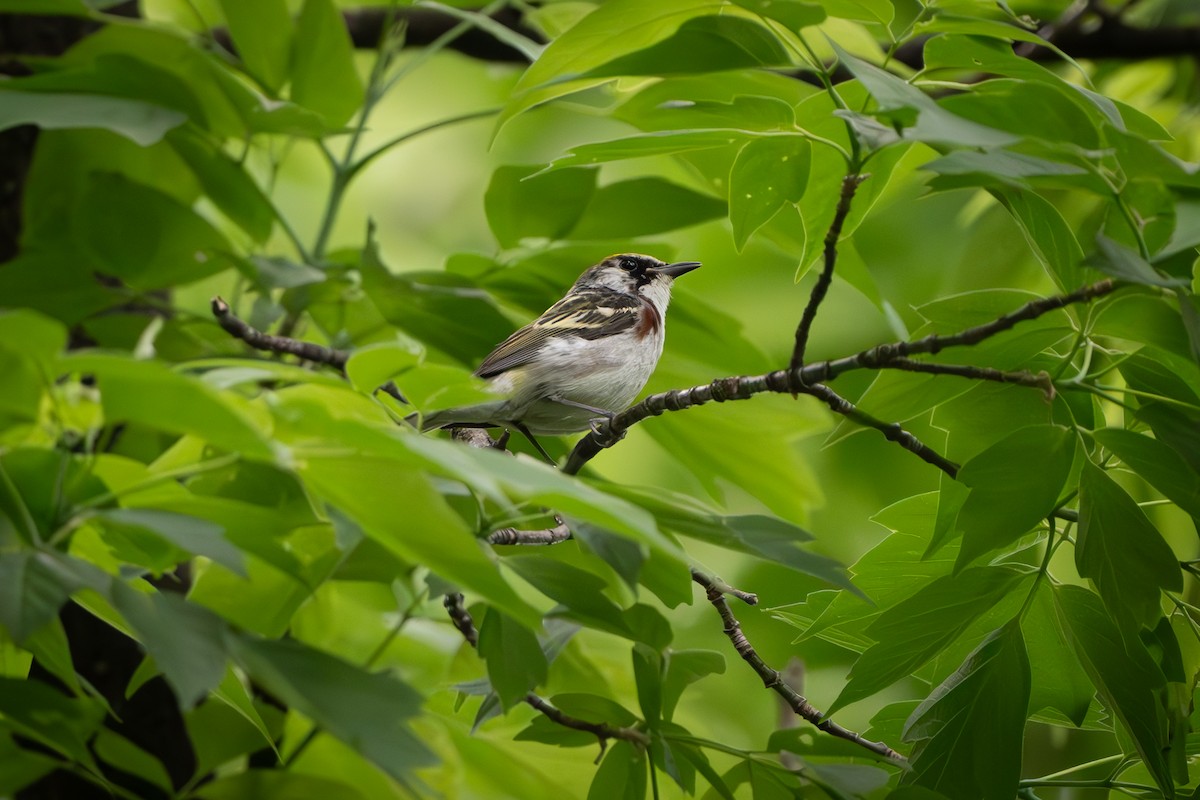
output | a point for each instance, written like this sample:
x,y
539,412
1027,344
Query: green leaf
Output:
x,y
622,774
1126,677
374,365
398,507
880,11
141,123
643,206
324,76
150,393
919,627
658,143
766,174
184,639
989,693
164,244
794,14
1046,232
648,668
367,711
1121,551
1160,465
921,118
196,536
262,33
119,752
63,724
685,667
515,662
32,590
1058,682
226,183
256,784
523,203
1115,259
989,167
1014,484
50,647
700,45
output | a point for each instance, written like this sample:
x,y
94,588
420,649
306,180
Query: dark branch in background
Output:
x,y
461,619
774,681
1041,380
276,344
850,185
803,379
424,26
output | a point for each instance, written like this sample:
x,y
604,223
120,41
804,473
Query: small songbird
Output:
x,y
586,358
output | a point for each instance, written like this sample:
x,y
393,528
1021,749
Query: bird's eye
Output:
x,y
628,264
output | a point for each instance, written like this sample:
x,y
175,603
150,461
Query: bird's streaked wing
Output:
x,y
586,314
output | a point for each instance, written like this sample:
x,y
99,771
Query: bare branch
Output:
x,y
802,379
892,431
774,681
276,344
1040,380
559,533
749,598
850,185
462,621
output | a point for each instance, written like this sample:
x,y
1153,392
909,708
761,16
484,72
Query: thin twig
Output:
x,y
743,387
559,533
774,681
462,621
1040,380
749,598
892,431
276,344
850,185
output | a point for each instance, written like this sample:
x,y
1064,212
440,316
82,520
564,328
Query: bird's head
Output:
x,y
636,274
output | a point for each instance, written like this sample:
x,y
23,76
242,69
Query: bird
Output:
x,y
583,360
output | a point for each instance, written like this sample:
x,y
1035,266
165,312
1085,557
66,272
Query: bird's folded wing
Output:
x,y
587,315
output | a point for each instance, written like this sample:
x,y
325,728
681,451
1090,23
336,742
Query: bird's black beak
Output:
x,y
678,268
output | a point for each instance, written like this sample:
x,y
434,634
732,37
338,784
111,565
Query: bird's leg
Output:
x,y
537,445
607,416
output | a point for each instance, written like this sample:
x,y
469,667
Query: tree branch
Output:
x,y
559,533
1040,380
462,621
803,378
774,681
850,185
276,344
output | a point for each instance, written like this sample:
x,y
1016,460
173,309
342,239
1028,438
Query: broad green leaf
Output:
x,y
921,118
20,767
523,203
989,167
766,174
989,692
119,752
610,31
257,784
232,693
641,207
1058,682
702,44
1121,552
374,365
226,183
794,14
32,590
166,243
685,667
648,668
196,536
1047,233
50,647
1014,484
368,711
324,76
140,122
45,715
1158,464
1126,677
880,11
262,33
149,393
622,774
398,506
657,143
916,629
1115,259
515,662
184,639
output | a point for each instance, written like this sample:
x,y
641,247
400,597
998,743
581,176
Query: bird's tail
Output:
x,y
474,416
